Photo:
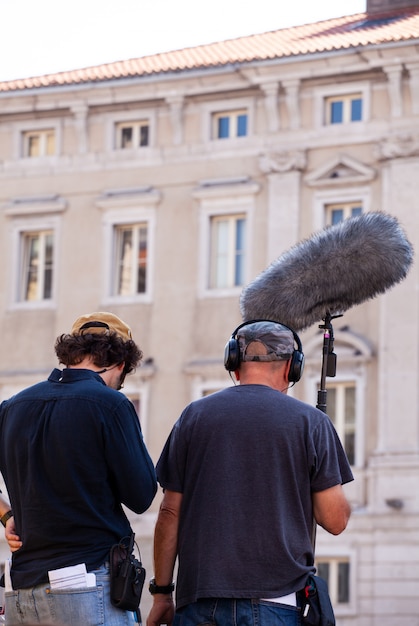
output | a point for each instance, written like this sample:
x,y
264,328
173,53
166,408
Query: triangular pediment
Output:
x,y
341,170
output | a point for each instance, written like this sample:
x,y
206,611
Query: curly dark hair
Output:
x,y
104,349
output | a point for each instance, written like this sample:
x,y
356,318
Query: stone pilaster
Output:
x,y
393,468
283,171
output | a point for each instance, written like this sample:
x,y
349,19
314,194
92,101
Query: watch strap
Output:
x,y
153,588
5,517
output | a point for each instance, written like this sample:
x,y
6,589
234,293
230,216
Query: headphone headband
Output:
x,y
249,322
232,357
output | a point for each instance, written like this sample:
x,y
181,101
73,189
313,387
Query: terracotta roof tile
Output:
x,y
335,34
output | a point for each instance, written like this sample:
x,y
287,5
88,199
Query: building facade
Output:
x,y
158,188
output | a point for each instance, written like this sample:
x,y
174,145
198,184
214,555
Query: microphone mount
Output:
x,y
328,369
328,360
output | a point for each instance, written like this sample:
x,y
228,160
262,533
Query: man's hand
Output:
x,y
162,611
165,550
11,537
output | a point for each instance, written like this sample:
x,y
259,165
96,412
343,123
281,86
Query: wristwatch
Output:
x,y
153,588
5,517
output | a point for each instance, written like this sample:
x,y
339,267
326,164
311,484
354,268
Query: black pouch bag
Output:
x,y
315,604
127,575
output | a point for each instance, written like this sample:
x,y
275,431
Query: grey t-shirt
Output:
x,y
246,460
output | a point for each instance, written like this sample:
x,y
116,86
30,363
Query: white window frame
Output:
x,y
131,217
136,116
21,129
231,220
200,387
324,198
323,94
346,207
135,228
332,554
219,200
350,369
232,116
19,228
136,126
42,236
346,100
120,211
217,107
340,422
345,375
42,135
354,355
141,391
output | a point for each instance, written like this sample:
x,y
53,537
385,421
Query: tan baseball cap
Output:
x,y
101,322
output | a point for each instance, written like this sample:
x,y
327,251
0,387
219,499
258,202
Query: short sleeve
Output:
x,y
330,465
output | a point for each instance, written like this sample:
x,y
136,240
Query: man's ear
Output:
x,y
237,374
287,370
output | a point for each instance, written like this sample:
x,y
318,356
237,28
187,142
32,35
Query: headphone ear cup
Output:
x,y
296,367
232,355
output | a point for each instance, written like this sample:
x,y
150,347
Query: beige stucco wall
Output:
x,y
183,331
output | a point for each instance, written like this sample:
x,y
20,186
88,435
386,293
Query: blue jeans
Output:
x,y
66,607
228,612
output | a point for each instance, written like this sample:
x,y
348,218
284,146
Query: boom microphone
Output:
x,y
330,272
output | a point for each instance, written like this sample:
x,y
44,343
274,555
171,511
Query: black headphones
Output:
x,y
232,352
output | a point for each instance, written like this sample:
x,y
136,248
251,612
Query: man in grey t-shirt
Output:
x,y
244,472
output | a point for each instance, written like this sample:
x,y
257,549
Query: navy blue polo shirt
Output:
x,y
71,452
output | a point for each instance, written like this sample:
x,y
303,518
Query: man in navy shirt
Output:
x,y
71,454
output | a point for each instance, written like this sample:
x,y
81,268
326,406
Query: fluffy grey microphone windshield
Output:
x,y
335,269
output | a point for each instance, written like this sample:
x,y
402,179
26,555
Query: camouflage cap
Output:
x,y
277,341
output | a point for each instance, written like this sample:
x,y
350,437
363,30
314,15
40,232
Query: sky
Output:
x,y
47,36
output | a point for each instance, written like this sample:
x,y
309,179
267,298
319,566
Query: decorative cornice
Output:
x,y
33,205
224,187
341,170
282,161
114,198
397,147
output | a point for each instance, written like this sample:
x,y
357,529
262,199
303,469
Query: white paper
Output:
x,y
73,577
7,579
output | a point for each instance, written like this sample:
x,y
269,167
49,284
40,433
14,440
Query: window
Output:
x,y
343,109
35,227
336,572
129,131
131,248
336,213
38,143
226,209
135,395
205,379
208,391
37,266
337,106
227,251
128,245
341,403
229,124
135,400
131,135
346,393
